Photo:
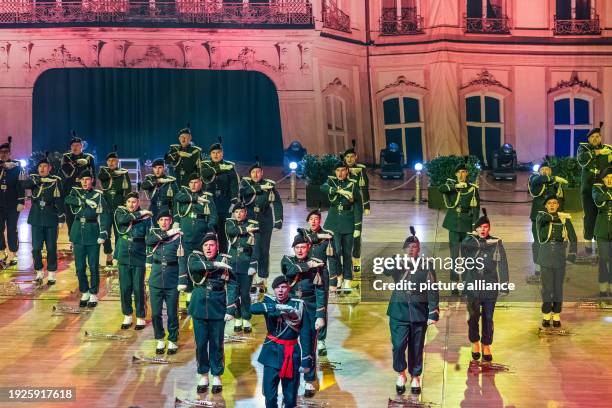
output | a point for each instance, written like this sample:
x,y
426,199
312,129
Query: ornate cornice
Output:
x,y
402,81
485,79
574,82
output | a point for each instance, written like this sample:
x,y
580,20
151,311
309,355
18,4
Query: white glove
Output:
x,y
284,308
223,265
10,165
20,207
319,323
202,200
181,288
173,231
356,234
91,203
324,236
146,213
560,180
101,241
252,229
430,322
228,317
314,264
82,162
461,185
164,180
251,271
175,225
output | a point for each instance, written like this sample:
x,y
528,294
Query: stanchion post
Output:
x,y
418,168
293,187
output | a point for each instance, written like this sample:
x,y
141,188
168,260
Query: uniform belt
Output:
x,y
286,370
211,288
463,210
134,239
84,220
165,263
198,216
344,207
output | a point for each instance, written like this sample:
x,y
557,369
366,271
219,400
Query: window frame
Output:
x,y
482,94
572,127
402,125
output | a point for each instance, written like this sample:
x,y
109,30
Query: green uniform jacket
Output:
x,y
115,184
359,172
554,232
221,180
47,205
160,194
133,227
164,251
463,206
195,219
11,188
492,254
592,164
323,249
602,196
90,222
345,216
243,252
71,169
214,289
262,203
540,187
414,306
308,284
184,160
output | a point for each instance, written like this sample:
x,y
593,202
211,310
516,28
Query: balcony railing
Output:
x,y
408,23
589,26
487,25
334,18
205,13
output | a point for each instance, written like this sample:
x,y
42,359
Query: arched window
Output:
x,y
573,121
404,125
337,130
485,126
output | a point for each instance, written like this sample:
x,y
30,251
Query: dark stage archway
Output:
x,y
141,110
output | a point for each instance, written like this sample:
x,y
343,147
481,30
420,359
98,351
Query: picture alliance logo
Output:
x,y
408,263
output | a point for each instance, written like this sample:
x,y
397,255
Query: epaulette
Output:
x,y
67,154
451,180
223,255
97,191
597,184
327,231
229,162
361,166
332,177
56,177
175,145
247,178
230,219
270,181
195,251
122,207
252,222
207,193
296,300
197,147
474,185
87,154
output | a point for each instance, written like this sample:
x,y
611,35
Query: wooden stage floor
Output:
x,y
41,350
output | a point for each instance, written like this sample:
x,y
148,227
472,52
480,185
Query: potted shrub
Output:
x,y
442,168
316,170
569,169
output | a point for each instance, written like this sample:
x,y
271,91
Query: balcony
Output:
x,y
578,26
487,25
408,23
179,13
334,18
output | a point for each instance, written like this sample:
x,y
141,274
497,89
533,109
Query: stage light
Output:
x,y
478,166
536,168
23,163
293,165
418,166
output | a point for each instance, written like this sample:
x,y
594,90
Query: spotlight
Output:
x,y
418,166
23,163
536,168
478,166
293,165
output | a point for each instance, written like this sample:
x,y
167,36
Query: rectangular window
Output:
x,y
572,123
404,125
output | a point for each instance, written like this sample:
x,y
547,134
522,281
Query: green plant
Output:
x,y
566,167
316,169
443,167
55,159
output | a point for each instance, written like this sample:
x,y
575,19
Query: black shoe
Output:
x,y
83,303
217,389
125,326
455,292
13,262
248,329
415,390
356,269
237,329
309,393
50,282
172,351
322,352
109,264
475,356
487,357
139,326
545,323
202,389
159,350
556,323
92,304
400,389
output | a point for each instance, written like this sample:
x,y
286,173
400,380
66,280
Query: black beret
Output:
x,y
194,176
158,162
482,220
185,131
412,238
595,130
239,206
215,146
165,212
279,280
112,155
75,140
86,173
44,160
5,146
211,236
349,151
132,194
340,164
550,197
299,239
460,166
256,165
